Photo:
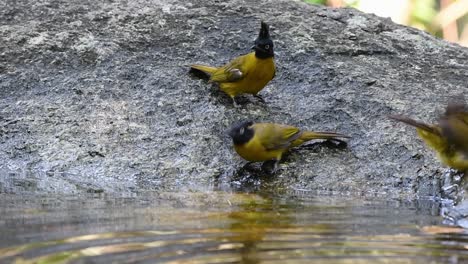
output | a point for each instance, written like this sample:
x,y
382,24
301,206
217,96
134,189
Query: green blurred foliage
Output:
x,y
422,14
424,11
319,2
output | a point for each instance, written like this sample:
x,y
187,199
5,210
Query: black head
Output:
x,y
456,105
263,44
241,132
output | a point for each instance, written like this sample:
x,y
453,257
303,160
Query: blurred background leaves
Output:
x,y
446,19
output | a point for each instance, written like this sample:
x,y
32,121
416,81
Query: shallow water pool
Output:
x,y
218,227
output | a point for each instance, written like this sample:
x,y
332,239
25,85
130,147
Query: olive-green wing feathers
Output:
x,y
454,126
231,72
274,136
459,134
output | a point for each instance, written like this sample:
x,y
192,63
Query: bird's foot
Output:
x,y
248,165
234,103
260,98
270,166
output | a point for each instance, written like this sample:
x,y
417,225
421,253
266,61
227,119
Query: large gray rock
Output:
x,y
97,96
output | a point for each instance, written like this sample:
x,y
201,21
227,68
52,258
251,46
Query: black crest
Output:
x,y
264,31
263,44
456,105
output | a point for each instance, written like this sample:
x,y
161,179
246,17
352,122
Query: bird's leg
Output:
x,y
275,167
234,102
265,166
248,164
260,98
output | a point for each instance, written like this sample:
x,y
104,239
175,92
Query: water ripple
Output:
x,y
247,229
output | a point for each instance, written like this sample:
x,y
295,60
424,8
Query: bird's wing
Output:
x,y
455,129
231,72
454,124
275,136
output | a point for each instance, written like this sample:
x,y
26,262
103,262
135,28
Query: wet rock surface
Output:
x,y
97,97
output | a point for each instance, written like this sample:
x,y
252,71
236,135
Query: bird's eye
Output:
x,y
267,46
241,131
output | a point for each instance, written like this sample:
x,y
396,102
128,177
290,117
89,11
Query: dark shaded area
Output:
x,y
199,74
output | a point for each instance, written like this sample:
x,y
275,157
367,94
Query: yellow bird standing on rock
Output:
x,y
269,141
449,138
249,73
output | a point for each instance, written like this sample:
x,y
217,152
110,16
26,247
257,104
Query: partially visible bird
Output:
x,y
449,137
249,73
269,141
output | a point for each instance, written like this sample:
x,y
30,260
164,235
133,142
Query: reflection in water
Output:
x,y
251,221
224,228
255,220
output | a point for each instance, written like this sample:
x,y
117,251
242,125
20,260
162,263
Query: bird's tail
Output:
x,y
203,68
310,135
414,123
430,134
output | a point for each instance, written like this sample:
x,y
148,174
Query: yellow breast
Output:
x,y
255,151
257,72
447,155
457,161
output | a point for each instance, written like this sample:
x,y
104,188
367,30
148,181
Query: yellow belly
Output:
x,y
447,156
458,161
253,151
257,75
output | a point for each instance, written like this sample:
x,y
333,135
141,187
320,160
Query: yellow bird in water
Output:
x,y
249,73
449,138
269,141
